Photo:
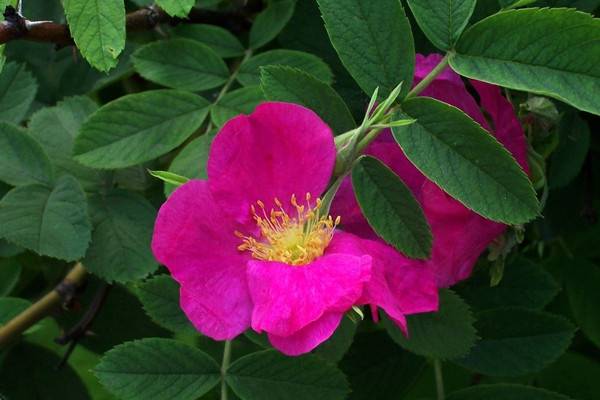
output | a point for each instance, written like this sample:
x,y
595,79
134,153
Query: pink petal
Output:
x,y
398,285
279,150
309,337
288,298
196,242
507,127
459,235
448,87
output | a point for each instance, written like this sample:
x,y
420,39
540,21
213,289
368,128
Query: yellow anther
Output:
x,y
294,240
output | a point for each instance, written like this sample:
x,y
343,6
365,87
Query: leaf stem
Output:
x,y
42,308
439,380
419,87
224,367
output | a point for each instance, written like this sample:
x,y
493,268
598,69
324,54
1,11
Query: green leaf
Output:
x,y
160,297
10,272
50,221
295,86
120,249
374,42
466,161
378,369
442,21
176,8
573,146
32,375
504,391
169,177
271,375
447,333
390,208
55,128
574,375
10,307
525,283
191,161
138,128
23,160
220,40
17,91
157,369
240,101
98,27
582,281
334,348
559,57
181,64
270,22
517,341
249,74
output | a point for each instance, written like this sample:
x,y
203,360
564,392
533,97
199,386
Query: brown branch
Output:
x,y
16,26
43,307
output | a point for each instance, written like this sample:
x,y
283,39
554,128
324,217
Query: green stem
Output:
x,y
419,87
224,367
225,88
439,380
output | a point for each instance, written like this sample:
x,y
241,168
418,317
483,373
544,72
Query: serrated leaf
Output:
x,y
568,158
51,221
191,161
120,249
466,161
10,272
270,22
295,86
504,391
23,160
553,52
17,91
55,128
270,375
390,208
442,21
138,128
524,283
378,369
176,8
157,369
220,40
374,42
239,101
517,341
98,28
582,280
249,74
447,333
181,64
160,297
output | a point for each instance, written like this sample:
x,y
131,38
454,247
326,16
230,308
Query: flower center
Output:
x,y
294,240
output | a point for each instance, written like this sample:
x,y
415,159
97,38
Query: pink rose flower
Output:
x,y
251,248
459,235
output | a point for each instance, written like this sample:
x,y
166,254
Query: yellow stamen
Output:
x,y
294,240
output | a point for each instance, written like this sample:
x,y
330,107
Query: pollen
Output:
x,y
295,239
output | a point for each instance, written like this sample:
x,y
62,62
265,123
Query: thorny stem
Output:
x,y
224,367
439,381
419,87
42,308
